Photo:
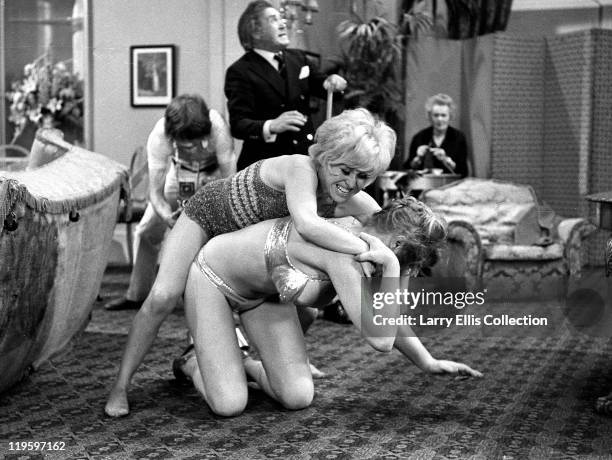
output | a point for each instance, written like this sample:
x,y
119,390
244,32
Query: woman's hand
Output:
x,y
444,367
439,153
173,217
422,150
379,253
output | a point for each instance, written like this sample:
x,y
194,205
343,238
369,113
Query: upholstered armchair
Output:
x,y
502,239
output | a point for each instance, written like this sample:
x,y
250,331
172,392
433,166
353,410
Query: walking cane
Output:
x,y
330,101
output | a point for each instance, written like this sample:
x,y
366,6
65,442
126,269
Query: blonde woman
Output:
x,y
275,258
350,151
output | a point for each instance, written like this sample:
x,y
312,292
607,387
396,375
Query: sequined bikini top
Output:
x,y
290,281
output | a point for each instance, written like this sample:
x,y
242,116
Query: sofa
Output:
x,y
502,239
57,217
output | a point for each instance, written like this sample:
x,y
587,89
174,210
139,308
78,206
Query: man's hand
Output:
x,y
171,218
335,83
164,211
287,121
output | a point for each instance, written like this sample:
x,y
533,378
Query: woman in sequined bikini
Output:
x,y
350,151
277,259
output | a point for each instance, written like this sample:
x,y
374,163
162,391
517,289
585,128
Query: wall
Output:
x,y
541,18
322,36
458,67
204,33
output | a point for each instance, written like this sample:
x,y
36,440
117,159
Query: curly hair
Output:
x,y
440,99
419,230
356,138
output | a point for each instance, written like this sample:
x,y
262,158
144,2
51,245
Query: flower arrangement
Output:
x,y
49,95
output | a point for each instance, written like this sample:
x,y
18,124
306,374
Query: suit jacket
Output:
x,y
454,144
256,92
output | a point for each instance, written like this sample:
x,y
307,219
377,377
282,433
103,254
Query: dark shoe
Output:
x,y
178,363
603,405
123,304
335,312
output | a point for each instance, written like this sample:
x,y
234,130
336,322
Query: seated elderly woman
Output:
x,y
274,258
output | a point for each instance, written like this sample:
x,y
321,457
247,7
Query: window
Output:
x,y
50,37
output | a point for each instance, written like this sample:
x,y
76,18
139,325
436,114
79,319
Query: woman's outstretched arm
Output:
x,y
376,321
411,347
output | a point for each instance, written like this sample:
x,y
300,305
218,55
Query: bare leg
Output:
x,y
307,316
283,373
182,245
218,373
148,237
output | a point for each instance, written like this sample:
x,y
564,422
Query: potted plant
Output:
x,y
373,62
48,96
370,60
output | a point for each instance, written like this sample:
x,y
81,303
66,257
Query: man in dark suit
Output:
x,y
268,89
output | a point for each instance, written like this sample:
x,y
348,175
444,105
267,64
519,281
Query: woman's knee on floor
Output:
x,y
297,393
228,402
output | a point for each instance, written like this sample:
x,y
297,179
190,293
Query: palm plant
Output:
x,y
373,61
371,56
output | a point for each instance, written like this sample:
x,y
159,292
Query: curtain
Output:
x,y
470,18
458,19
463,69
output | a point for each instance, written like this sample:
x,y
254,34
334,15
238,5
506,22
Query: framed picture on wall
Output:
x,y
151,75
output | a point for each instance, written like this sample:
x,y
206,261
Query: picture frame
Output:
x,y
152,75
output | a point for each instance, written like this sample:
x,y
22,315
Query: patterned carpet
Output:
x,y
536,401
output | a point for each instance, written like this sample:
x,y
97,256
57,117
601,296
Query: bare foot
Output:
x,y
316,373
251,368
117,404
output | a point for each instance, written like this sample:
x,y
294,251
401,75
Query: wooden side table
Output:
x,y
604,221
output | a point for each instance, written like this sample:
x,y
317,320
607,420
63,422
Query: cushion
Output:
x,y
527,230
501,212
43,151
516,252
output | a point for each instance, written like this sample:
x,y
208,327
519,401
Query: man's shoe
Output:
x,y
336,313
123,304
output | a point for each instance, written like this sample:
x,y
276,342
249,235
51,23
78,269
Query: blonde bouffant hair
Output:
x,y
355,138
